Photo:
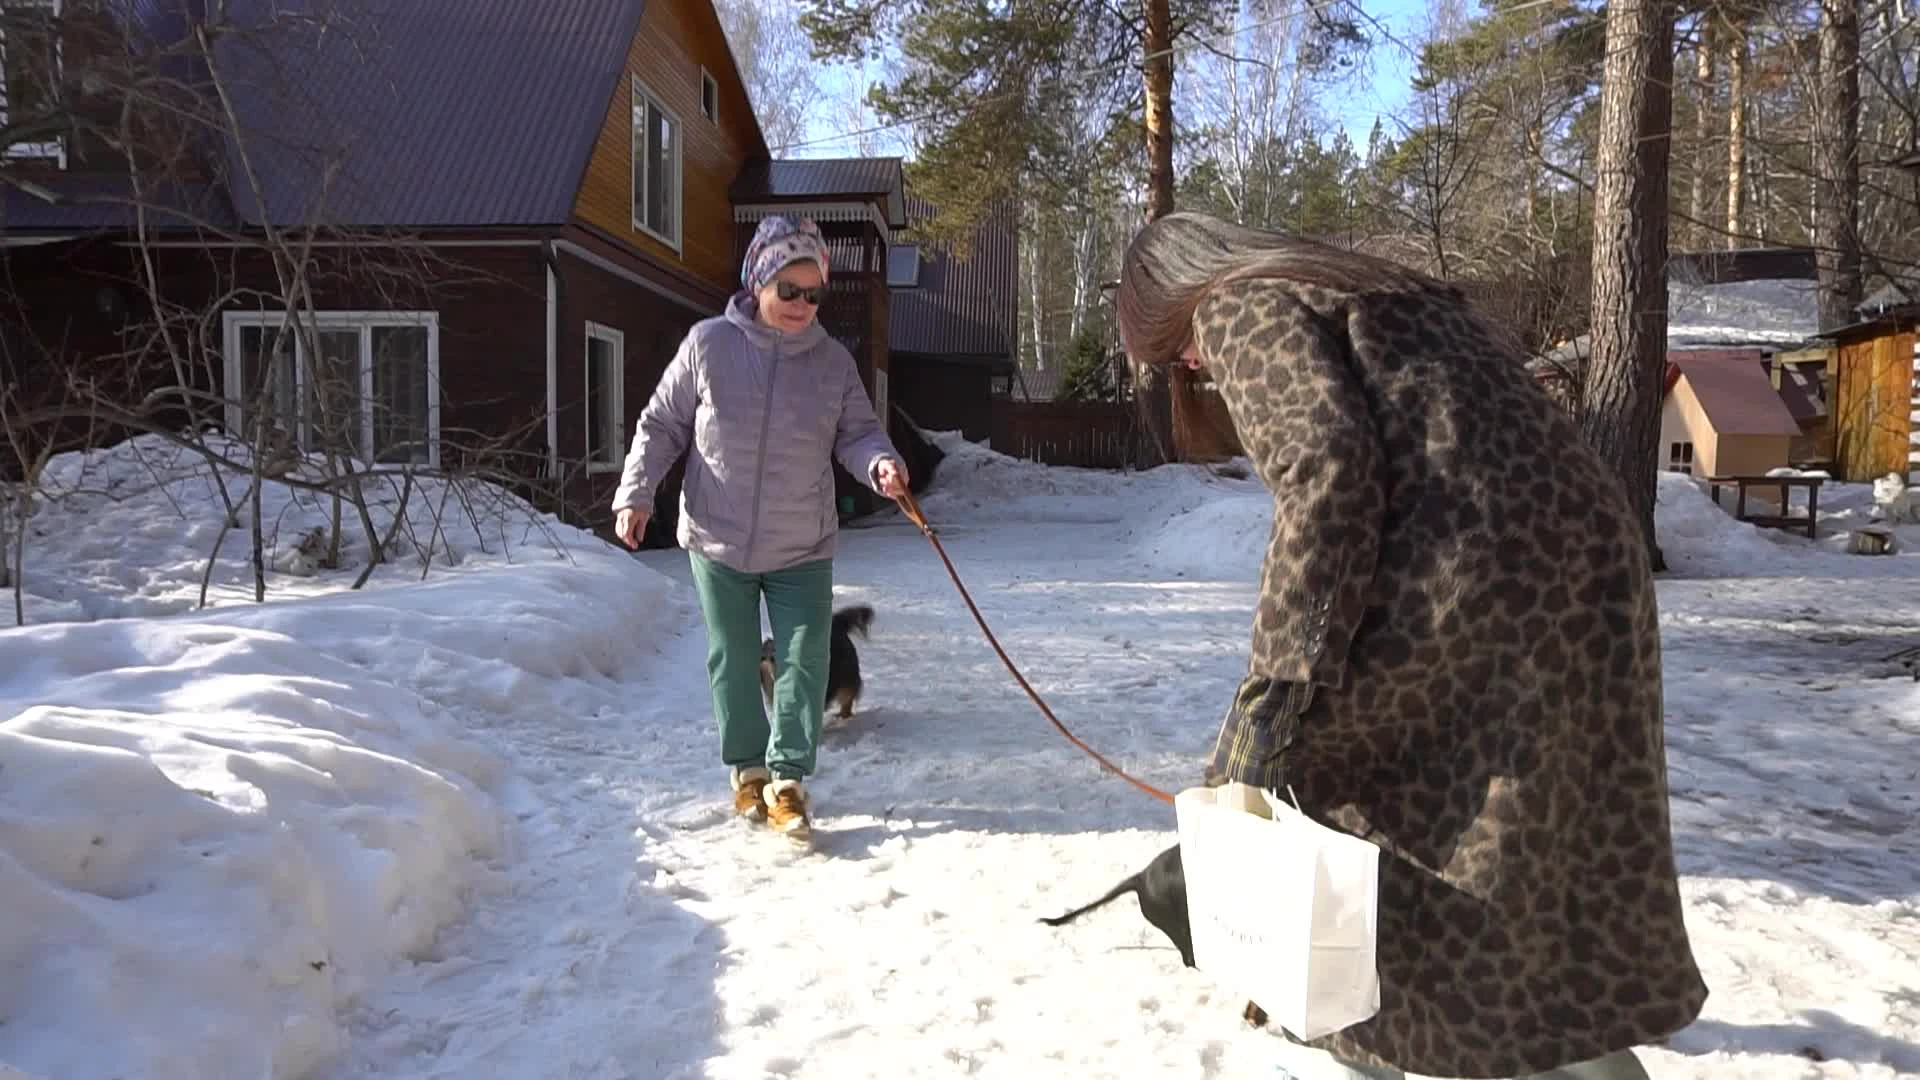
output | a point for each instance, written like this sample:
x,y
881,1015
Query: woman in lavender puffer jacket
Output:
x,y
767,399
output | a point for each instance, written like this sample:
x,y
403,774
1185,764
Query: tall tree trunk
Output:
x,y
1620,393
1697,225
1036,274
1159,84
1836,163
1736,131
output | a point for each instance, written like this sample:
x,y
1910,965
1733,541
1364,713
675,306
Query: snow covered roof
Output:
x,y
1768,311
1894,294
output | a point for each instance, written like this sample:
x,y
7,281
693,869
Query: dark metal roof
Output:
x,y
821,178
95,203
399,113
962,308
423,113
1741,264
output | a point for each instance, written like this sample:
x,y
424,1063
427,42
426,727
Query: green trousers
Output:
x,y
800,609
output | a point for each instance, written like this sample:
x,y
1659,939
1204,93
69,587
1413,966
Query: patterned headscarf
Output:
x,y
777,243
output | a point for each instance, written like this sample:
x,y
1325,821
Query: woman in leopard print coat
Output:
x,y
1455,652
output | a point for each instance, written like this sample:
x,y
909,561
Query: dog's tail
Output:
x,y
1131,885
852,620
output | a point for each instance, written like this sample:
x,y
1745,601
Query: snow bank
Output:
x,y
975,483
1697,536
1222,539
128,530
1169,514
1223,535
218,831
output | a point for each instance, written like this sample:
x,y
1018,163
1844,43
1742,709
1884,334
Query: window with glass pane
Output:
x,y
331,400
656,167
402,395
661,195
267,385
903,266
29,66
604,422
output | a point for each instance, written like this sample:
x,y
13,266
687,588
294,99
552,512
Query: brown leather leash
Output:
x,y
911,507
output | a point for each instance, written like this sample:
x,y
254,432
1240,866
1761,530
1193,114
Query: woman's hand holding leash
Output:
x,y
892,477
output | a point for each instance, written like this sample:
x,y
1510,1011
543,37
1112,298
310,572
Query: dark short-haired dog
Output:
x,y
844,684
1162,891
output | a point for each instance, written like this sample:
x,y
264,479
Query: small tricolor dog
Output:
x,y
843,666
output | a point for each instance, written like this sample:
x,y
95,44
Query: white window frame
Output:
x,y
232,322
55,149
636,131
707,81
1680,456
617,340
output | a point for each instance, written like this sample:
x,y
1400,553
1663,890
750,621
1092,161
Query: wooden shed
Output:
x,y
1875,375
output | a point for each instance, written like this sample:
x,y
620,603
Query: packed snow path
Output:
x,y
642,932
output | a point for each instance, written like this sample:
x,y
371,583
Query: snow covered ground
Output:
x,y
472,825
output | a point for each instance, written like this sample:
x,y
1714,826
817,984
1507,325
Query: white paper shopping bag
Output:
x,y
1283,910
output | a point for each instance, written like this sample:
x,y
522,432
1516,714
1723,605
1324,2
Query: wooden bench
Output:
x,y
1786,484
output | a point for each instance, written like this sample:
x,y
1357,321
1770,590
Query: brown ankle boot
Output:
x,y
749,792
787,809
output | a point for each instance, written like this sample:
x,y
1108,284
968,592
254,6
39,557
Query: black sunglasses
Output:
x,y
789,291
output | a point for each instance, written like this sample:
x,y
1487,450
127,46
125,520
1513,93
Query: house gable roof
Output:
x,y
382,114
1733,390
962,307
421,113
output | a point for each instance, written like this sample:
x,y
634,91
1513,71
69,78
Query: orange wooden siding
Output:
x,y
1873,393
677,38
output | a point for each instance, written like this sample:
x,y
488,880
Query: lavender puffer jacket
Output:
x,y
764,411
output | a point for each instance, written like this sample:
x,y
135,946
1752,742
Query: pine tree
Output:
x,y
997,93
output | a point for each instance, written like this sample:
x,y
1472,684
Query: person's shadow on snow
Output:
x,y
664,1016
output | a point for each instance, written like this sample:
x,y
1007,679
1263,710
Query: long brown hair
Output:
x,y
1175,261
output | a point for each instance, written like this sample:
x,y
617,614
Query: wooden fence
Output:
x,y
1090,435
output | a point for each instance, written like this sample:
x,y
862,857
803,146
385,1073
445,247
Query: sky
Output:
x,y
1382,91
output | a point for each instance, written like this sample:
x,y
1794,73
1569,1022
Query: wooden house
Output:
x,y
953,327
517,211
